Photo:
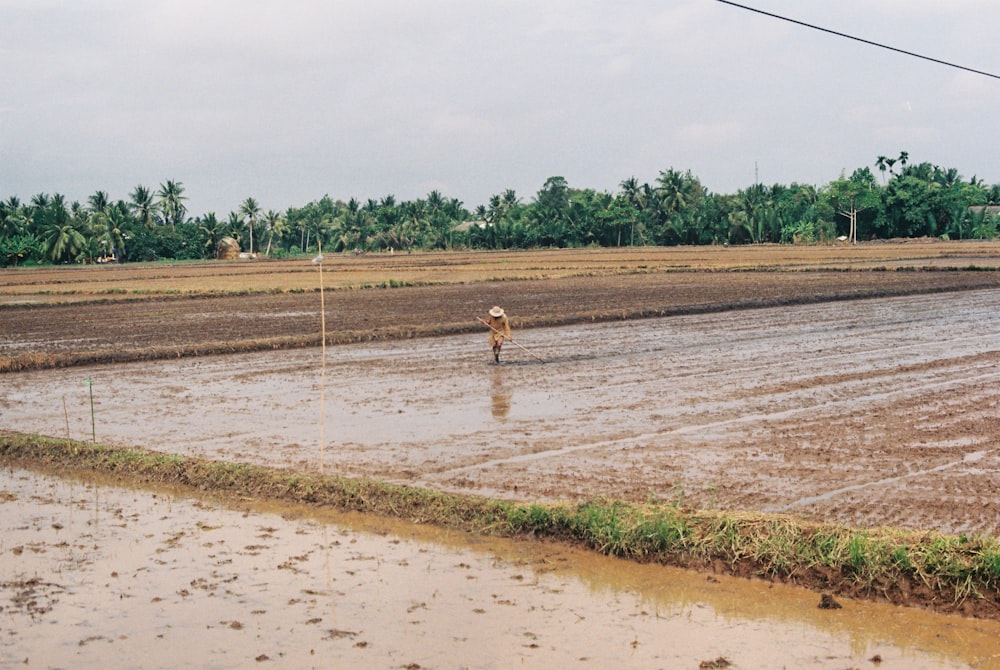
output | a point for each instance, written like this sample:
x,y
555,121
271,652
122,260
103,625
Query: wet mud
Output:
x,y
91,572
879,412
151,326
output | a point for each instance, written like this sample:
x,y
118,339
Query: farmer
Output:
x,y
499,329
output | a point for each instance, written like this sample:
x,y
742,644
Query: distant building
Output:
x,y
991,210
466,226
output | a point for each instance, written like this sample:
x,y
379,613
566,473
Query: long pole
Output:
x,y
322,373
93,423
487,323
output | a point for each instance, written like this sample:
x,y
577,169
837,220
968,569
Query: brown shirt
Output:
x,y
501,324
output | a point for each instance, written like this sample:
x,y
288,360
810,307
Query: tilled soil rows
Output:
x,y
38,336
866,397
867,412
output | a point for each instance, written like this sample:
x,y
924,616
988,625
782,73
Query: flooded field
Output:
x,y
877,412
91,573
866,412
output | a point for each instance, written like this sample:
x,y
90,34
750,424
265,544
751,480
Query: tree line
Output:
x,y
905,200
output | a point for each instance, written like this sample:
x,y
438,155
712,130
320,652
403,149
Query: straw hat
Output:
x,y
496,312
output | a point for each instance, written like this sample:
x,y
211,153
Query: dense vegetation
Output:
x,y
908,200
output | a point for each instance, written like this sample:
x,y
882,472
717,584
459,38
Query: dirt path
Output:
x,y
874,412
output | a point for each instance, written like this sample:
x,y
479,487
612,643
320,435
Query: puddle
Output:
x,y
91,573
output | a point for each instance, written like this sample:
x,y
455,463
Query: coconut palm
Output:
x,y
633,196
171,202
116,226
434,202
142,206
232,225
61,239
212,230
250,212
97,209
13,220
38,212
108,233
274,222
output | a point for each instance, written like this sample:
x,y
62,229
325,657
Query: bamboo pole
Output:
x,y
322,373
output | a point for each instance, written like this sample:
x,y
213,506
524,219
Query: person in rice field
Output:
x,y
499,330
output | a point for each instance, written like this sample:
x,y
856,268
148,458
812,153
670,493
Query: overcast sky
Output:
x,y
288,100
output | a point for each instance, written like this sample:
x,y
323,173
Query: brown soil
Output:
x,y
766,391
33,336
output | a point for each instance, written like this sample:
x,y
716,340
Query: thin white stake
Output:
x,y
322,374
93,423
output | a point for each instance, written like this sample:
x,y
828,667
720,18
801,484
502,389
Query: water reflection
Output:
x,y
500,394
766,622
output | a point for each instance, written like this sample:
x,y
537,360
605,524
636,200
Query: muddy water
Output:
x,y
91,573
866,412
870,412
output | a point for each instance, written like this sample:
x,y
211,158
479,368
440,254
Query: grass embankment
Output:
x,y
941,572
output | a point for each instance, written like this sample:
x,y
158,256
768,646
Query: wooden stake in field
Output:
x,y
93,422
322,369
509,338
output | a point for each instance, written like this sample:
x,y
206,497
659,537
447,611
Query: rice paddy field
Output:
x,y
819,417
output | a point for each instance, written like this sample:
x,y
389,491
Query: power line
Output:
x,y
859,39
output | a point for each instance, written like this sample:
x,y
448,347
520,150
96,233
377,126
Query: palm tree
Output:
x,y
171,202
949,177
412,222
250,211
63,243
510,199
493,217
61,239
752,212
275,223
435,202
38,211
354,225
233,225
672,191
97,219
678,195
57,209
142,206
98,204
118,221
882,164
633,196
12,218
212,230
